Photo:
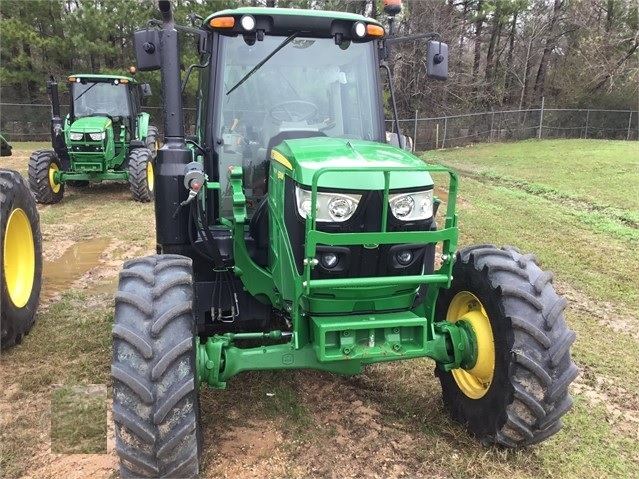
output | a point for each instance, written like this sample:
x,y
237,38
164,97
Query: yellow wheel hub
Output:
x,y
19,258
476,381
53,168
150,181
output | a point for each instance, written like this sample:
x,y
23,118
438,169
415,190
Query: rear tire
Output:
x,y
42,165
141,175
153,141
155,401
517,391
20,258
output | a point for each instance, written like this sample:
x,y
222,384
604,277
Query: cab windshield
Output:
x,y
94,98
310,87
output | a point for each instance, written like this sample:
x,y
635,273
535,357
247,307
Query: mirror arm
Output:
x,y
431,35
400,140
190,69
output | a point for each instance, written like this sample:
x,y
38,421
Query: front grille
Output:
x,y
87,148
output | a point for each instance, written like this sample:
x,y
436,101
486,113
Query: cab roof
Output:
x,y
284,21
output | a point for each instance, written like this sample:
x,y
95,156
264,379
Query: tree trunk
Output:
x,y
479,26
551,43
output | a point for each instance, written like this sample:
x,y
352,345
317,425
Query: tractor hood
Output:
x,y
91,124
306,156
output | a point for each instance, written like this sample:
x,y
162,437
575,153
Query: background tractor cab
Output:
x,y
105,136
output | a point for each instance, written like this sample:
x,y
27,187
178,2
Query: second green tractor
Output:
x,y
105,136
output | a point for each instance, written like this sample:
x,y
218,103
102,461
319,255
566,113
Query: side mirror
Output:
x,y
147,49
50,83
202,44
437,60
145,88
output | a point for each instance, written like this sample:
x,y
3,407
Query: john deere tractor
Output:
x,y
105,136
20,256
291,235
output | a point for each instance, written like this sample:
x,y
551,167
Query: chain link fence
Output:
x,y
512,125
20,122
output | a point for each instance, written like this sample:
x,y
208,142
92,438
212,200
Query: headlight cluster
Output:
x,y
75,136
340,207
97,136
412,206
330,207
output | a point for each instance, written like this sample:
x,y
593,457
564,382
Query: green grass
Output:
x,y
601,173
580,220
79,420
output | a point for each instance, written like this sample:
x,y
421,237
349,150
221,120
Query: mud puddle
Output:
x,y
75,262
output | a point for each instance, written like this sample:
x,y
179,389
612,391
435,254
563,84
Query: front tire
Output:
x,y
20,258
155,402
517,390
42,166
141,175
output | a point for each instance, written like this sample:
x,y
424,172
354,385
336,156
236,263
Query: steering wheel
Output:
x,y
293,110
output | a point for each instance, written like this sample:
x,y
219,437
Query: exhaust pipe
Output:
x,y
172,222
167,14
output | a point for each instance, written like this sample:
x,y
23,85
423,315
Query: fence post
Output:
x,y
415,133
444,135
629,125
587,119
541,118
492,125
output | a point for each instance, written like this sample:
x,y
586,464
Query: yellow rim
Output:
x,y
55,187
19,258
476,381
149,175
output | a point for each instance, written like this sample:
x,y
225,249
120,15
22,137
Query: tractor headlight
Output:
x,y
97,136
330,207
412,206
75,136
248,23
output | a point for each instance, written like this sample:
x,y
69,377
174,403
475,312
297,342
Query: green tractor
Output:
x,y
20,256
292,235
105,136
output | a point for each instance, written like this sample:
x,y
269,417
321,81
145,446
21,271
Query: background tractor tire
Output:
x,y
155,400
153,141
517,391
141,177
20,258
42,165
